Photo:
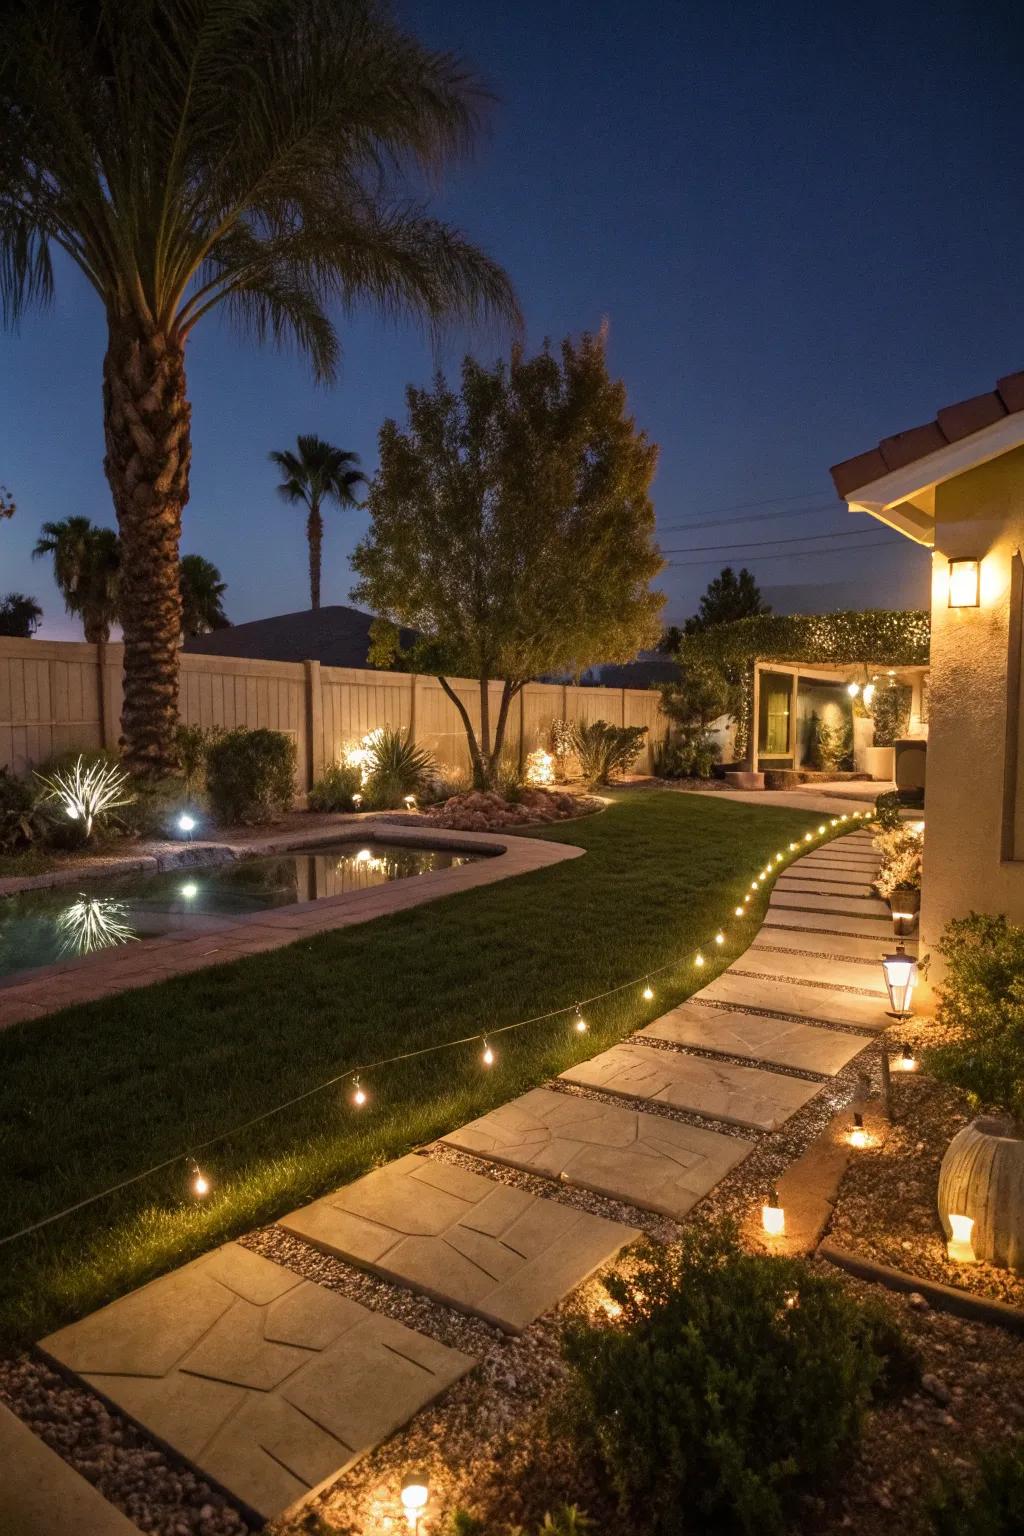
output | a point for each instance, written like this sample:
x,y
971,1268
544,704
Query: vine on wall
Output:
x,y
876,637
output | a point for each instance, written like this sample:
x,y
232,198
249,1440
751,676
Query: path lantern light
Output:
x,y
853,689
964,583
773,1217
415,1496
907,1061
858,1136
357,800
960,1248
409,801
900,979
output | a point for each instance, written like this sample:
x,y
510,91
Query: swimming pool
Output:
x,y
39,927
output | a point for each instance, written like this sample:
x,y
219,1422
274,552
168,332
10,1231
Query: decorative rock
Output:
x,y
982,1176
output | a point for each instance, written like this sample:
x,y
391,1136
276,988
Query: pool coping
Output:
x,y
50,988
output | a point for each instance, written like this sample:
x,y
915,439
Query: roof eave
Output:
x,y
904,499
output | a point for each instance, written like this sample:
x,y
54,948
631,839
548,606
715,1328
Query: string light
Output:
x,y
821,831
807,837
200,1183
580,1025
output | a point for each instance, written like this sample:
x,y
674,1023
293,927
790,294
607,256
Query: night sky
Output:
x,y
804,225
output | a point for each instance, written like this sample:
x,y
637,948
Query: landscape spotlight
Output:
x,y
415,1495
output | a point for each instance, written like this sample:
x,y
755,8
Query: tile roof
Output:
x,y
336,635
951,424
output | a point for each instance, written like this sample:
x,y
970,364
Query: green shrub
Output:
x,y
890,711
334,791
568,1520
718,1400
887,810
604,749
442,782
981,999
690,753
250,775
397,767
990,1504
156,804
829,747
22,821
191,744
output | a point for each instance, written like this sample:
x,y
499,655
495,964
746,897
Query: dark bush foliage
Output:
x,y
981,998
334,791
887,810
21,823
734,1383
604,749
990,1504
689,753
250,775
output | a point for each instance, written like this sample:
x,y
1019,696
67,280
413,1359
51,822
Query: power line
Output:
x,y
794,554
767,501
751,517
799,538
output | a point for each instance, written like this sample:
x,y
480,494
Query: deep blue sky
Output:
x,y
804,224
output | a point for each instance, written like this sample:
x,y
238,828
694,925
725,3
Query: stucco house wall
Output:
x,y
974,849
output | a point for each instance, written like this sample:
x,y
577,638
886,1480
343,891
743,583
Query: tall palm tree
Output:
x,y
86,568
319,472
264,157
202,592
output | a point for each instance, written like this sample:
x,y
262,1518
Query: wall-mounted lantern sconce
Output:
x,y
964,583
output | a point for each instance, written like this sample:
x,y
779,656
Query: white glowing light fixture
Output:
x,y
964,583
358,1093
698,961
738,912
364,856
821,831
415,1496
906,1061
409,801
357,800
200,1183
719,938
869,694
190,890
579,1023
487,1055
960,1248
858,1136
186,823
900,979
853,689
648,993
773,1217
808,836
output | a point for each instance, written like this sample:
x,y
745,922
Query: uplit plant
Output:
x,y
91,924
87,794
604,749
335,789
397,766
560,745
901,848
540,767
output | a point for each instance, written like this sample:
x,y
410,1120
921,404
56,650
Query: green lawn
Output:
x,y
100,1092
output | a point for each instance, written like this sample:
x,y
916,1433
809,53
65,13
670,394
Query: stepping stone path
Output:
x,y
489,1248
40,1495
717,1089
273,1386
655,1163
782,1042
267,1383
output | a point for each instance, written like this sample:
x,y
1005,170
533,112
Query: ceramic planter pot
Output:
x,y
982,1176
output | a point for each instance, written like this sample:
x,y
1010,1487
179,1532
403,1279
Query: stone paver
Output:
x,y
797,1000
717,1089
488,1248
268,1384
815,901
653,1162
828,924
782,1042
817,942
857,890
831,874
40,1495
789,967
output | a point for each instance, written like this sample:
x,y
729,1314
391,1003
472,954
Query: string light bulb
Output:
x,y
739,912
719,938
698,960
200,1183
821,831
358,1093
793,847
778,858
487,1054
648,993
808,837
580,1024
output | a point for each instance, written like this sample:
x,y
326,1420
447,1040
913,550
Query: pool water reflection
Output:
x,y
42,926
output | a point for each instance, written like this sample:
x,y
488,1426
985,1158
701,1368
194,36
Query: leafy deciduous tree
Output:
x,y
318,473
512,527
264,156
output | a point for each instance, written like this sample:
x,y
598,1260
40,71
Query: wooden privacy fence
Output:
x,y
59,696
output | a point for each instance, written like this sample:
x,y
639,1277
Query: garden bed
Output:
x,y
486,811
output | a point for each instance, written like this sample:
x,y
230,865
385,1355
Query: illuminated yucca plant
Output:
x,y
85,793
91,924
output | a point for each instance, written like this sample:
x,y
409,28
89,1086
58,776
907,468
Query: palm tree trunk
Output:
x,y
146,426
315,535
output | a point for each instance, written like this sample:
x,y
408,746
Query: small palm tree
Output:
x,y
19,616
86,568
263,158
318,473
202,592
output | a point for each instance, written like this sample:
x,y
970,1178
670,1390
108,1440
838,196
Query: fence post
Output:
x,y
110,723
314,764
413,679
